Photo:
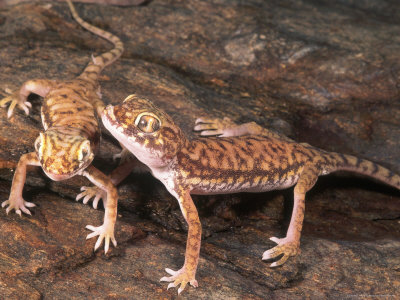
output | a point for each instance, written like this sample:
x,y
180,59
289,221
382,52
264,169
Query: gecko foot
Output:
x,y
105,232
92,192
287,247
124,156
19,205
180,277
14,100
212,127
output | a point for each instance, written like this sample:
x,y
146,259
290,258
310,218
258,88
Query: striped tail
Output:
x,y
93,69
364,167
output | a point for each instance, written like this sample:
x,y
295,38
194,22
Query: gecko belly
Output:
x,y
257,185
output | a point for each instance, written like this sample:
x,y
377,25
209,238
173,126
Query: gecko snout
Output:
x,y
108,112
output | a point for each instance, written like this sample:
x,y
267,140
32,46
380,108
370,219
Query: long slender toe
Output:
x,y
90,227
98,243
170,271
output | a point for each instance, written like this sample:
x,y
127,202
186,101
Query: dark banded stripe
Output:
x,y
93,70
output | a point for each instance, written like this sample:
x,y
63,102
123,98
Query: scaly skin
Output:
x,y
71,138
248,158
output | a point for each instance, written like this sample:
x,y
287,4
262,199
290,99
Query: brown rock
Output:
x,y
324,72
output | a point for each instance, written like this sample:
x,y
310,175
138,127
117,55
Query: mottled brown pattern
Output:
x,y
246,162
241,161
72,134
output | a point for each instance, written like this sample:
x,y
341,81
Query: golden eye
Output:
x,y
148,123
38,143
84,151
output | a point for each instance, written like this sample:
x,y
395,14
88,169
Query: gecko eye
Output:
x,y
38,142
84,151
148,123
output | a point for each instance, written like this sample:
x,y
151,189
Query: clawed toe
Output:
x,y
92,192
204,126
13,99
208,128
285,247
213,126
211,133
19,206
105,233
181,277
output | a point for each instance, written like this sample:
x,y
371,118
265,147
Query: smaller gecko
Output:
x,y
71,134
245,158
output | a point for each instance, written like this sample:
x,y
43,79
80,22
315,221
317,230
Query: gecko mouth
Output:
x,y
111,124
59,177
108,116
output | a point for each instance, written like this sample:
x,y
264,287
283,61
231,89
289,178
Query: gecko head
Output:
x,y
62,154
145,130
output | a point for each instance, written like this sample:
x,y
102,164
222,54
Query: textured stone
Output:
x,y
324,72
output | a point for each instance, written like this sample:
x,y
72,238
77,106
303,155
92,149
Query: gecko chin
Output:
x,y
58,174
59,177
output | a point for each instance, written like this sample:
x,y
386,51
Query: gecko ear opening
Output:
x,y
148,122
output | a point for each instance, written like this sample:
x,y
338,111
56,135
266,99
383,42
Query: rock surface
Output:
x,y
323,72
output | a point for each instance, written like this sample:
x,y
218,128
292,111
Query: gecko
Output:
x,y
70,117
244,158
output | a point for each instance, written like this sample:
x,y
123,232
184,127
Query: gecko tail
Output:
x,y
365,167
98,63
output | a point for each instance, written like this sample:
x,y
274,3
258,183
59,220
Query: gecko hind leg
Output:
x,y
215,126
124,156
226,127
290,245
179,277
187,273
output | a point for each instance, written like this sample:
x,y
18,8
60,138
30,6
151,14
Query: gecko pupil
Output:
x,y
148,124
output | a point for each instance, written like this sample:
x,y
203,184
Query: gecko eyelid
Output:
x,y
129,97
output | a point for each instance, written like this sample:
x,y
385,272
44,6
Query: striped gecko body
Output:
x,y
71,132
246,158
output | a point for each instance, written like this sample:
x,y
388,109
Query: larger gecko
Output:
x,y
248,158
71,134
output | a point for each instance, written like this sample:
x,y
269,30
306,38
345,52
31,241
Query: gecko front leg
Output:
x,y
37,86
105,231
116,176
290,245
187,273
15,201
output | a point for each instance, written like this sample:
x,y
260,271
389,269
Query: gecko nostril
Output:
x,y
109,111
